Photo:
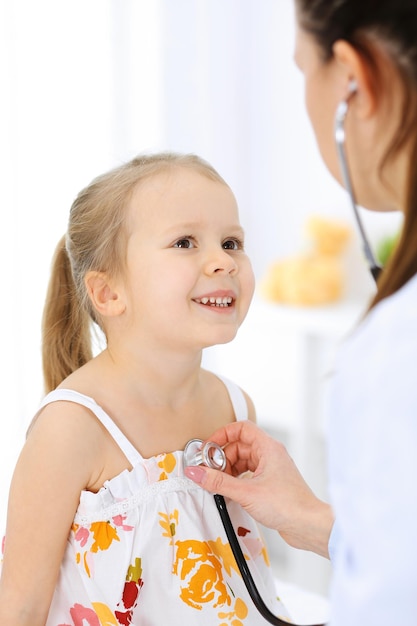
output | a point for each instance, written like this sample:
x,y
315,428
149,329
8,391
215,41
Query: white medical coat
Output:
x,y
372,408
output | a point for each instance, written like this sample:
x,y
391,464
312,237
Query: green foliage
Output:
x,y
385,248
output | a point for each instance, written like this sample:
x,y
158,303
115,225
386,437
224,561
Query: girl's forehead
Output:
x,y
177,187
175,176
181,195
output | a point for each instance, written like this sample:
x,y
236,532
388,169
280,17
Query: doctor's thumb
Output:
x,y
212,480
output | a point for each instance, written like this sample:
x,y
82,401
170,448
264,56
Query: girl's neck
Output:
x,y
158,403
168,379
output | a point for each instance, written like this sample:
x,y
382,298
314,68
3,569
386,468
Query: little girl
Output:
x,y
103,526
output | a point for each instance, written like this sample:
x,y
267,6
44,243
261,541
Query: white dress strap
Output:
x,y
240,406
236,395
69,395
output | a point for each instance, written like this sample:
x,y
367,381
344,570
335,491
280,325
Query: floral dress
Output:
x,y
149,548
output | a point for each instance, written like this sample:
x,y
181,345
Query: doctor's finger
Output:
x,y
251,495
244,432
247,447
219,482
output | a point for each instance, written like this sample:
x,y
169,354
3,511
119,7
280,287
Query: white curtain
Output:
x,y
87,84
80,93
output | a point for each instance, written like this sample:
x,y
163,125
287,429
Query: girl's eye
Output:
x,y
185,242
232,244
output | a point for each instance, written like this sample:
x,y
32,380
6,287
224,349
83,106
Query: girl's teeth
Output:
x,y
222,302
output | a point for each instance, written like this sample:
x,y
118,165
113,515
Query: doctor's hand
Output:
x,y
264,480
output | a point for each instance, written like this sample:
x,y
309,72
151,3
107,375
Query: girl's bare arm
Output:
x,y
56,463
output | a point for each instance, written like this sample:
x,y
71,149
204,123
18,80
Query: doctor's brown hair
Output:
x,y
391,24
96,240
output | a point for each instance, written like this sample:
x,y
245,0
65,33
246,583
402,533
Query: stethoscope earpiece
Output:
x,y
353,86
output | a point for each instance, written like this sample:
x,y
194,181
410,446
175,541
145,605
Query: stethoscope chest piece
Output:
x,y
209,453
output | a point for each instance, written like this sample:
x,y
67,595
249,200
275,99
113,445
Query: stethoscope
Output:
x,y
196,452
340,137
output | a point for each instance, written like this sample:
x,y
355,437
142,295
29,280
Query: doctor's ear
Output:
x,y
105,298
352,86
359,77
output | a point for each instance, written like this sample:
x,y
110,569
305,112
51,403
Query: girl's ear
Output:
x,y
358,71
105,298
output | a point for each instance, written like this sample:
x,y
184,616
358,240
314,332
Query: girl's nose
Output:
x,y
221,261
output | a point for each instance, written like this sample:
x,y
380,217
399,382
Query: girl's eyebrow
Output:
x,y
185,226
193,226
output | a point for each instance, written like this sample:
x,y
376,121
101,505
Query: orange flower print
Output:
x,y
224,552
98,536
104,534
169,524
201,573
167,463
104,614
234,617
200,566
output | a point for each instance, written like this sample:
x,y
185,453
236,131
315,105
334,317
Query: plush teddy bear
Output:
x,y
314,277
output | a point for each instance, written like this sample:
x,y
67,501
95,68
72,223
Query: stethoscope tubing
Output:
x,y
339,135
243,566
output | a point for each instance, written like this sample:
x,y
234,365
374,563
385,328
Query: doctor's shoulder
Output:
x,y
380,351
392,318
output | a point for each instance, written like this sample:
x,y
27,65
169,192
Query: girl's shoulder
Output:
x,y
232,395
66,424
59,411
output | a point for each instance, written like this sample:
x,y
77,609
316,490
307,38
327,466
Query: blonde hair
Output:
x,y
95,241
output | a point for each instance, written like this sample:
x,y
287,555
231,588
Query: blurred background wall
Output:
x,y
88,84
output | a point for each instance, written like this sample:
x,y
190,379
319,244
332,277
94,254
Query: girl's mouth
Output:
x,y
216,302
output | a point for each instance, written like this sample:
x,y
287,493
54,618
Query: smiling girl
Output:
x,y
103,526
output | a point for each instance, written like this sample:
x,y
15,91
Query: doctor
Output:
x,y
371,45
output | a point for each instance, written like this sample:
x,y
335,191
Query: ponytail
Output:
x,y
96,240
66,338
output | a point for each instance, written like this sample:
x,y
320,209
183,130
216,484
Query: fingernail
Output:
x,y
196,473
